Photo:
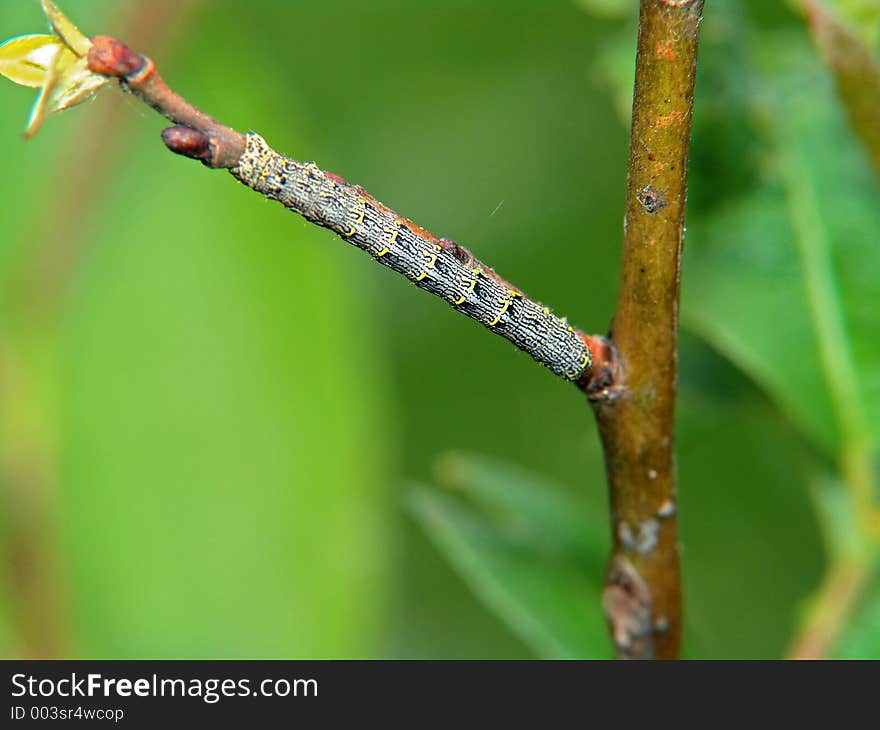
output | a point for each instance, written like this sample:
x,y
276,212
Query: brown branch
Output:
x,y
636,418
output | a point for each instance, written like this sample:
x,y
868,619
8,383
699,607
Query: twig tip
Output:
x,y
110,57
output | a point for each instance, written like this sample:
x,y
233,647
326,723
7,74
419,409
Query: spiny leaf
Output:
x,y
72,37
26,60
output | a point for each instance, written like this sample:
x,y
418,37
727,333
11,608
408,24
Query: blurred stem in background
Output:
x,y
852,560
28,475
29,382
856,73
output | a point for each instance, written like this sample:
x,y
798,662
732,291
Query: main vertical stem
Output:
x,y
643,594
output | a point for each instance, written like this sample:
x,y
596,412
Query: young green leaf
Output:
x,y
55,64
72,37
26,60
76,85
68,83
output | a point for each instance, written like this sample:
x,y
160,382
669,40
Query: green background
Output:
x,y
228,408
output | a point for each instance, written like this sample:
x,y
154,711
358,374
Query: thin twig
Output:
x,y
643,593
138,75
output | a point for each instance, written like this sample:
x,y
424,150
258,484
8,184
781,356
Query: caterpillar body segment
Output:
x,y
436,265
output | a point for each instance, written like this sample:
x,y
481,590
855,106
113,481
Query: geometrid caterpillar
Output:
x,y
437,265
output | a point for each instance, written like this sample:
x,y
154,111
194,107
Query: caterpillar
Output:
x,y
437,265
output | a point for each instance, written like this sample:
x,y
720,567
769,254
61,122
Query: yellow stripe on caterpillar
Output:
x,y
360,212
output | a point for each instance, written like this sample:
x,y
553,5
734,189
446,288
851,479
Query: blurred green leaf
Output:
x,y
782,279
856,70
861,637
615,67
834,209
752,237
609,8
803,250
530,508
530,553
747,525
837,519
